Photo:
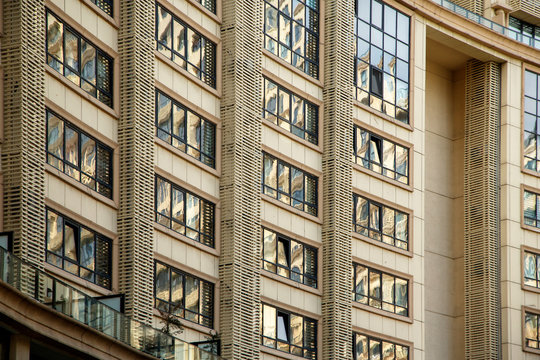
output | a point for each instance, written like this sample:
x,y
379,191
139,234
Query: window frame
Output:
x,y
200,233
408,64
382,271
519,34
524,249
78,72
289,341
209,79
536,312
536,71
65,162
382,338
288,268
75,224
171,304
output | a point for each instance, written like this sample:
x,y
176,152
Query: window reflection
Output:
x,y
532,339
367,347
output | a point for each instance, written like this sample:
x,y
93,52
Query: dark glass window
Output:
x,y
369,347
105,5
532,333
380,155
380,290
290,111
78,250
289,332
531,211
382,58
380,222
209,4
84,64
79,155
289,258
291,31
289,184
184,212
523,31
531,118
531,269
185,46
185,130
183,295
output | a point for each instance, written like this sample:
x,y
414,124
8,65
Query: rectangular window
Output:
x,y
209,4
183,295
531,117
105,5
290,112
380,155
289,258
380,222
185,46
289,332
523,31
382,58
531,213
78,250
79,155
380,290
291,31
531,269
532,333
184,212
185,130
369,347
80,61
289,184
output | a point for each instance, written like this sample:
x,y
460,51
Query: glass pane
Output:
x,y
55,232
374,349
401,292
283,326
531,326
388,221
177,289
269,321
283,253
270,25
374,285
388,155
87,249
164,111
362,349
270,98
164,24
388,288
72,146
374,213
283,178
179,39
88,156
192,213
388,351
297,259
71,50
401,226
270,171
178,205
194,51
297,184
297,329
88,62
163,201
269,246
162,282
179,122
192,294
55,138
530,84
361,280
55,31
71,239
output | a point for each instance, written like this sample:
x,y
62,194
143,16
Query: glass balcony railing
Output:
x,y
54,293
513,34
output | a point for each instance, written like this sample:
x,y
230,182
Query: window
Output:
x,y
184,212
79,155
289,258
183,295
289,332
79,60
78,250
380,222
105,5
369,347
382,58
185,46
381,155
522,31
531,117
290,112
209,4
289,184
531,211
532,333
291,31
185,130
380,290
531,269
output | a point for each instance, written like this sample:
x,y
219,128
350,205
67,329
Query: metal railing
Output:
x,y
56,294
512,34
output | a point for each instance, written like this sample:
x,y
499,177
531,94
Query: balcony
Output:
x,y
55,294
526,10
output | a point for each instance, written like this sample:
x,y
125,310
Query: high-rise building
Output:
x,y
270,179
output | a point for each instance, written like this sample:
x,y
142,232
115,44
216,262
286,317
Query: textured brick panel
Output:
x,y
23,58
240,186
136,141
481,257
337,169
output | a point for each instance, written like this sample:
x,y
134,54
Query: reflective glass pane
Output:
x,y
55,137
178,205
270,171
269,321
88,156
88,62
71,42
87,249
269,246
70,242
164,25
282,326
55,232
164,110
163,201
162,282
192,213
55,32
401,291
192,294
72,146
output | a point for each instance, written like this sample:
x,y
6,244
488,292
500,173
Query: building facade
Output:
x,y
270,179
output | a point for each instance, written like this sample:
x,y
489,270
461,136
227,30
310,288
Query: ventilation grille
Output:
x,y
136,144
240,185
23,58
482,292
337,189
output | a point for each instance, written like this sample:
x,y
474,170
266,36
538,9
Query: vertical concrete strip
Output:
x,y
337,169
481,256
240,183
136,144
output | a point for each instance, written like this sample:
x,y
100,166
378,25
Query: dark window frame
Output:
x,y
171,138
311,279
62,257
311,136
206,75
53,62
380,348
171,305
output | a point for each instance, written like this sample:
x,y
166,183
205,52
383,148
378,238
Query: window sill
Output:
x,y
383,245
287,281
407,319
293,137
382,115
383,178
165,230
281,354
55,74
282,62
165,145
85,189
290,209
70,279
